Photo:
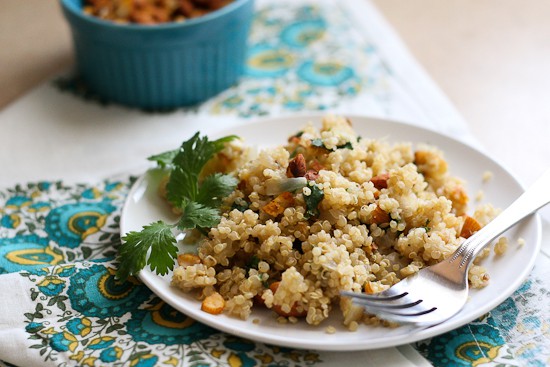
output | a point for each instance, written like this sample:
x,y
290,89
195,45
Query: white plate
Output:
x,y
507,272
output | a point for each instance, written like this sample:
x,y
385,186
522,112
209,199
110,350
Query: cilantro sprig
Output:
x,y
155,244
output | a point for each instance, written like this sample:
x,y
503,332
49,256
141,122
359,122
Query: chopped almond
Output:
x,y
213,304
293,310
469,227
316,166
188,259
380,181
278,205
242,185
379,216
297,166
258,300
294,140
311,175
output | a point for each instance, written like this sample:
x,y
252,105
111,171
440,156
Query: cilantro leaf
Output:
x,y
198,215
312,201
195,152
220,143
132,254
182,187
214,188
188,163
164,159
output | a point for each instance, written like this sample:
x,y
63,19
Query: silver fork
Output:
x,y
438,292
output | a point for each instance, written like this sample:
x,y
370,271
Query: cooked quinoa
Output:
x,y
386,211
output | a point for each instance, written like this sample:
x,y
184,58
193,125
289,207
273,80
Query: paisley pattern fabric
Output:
x,y
83,316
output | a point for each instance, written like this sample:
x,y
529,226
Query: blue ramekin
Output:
x,y
161,66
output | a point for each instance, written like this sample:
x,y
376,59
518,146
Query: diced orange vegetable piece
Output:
x,y
459,198
380,181
274,286
293,310
258,300
379,216
213,304
469,227
430,163
188,259
278,205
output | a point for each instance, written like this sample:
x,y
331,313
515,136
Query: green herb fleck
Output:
x,y
345,146
318,143
312,201
253,262
426,225
240,206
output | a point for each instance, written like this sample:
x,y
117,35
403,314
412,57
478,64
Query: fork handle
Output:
x,y
531,200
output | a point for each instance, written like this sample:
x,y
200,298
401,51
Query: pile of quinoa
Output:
x,y
386,211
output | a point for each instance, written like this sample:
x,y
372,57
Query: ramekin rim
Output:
x,y
234,6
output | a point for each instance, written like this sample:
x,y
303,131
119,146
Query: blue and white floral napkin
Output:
x,y
62,306
59,304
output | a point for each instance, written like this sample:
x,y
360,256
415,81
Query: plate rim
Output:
x,y
148,278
